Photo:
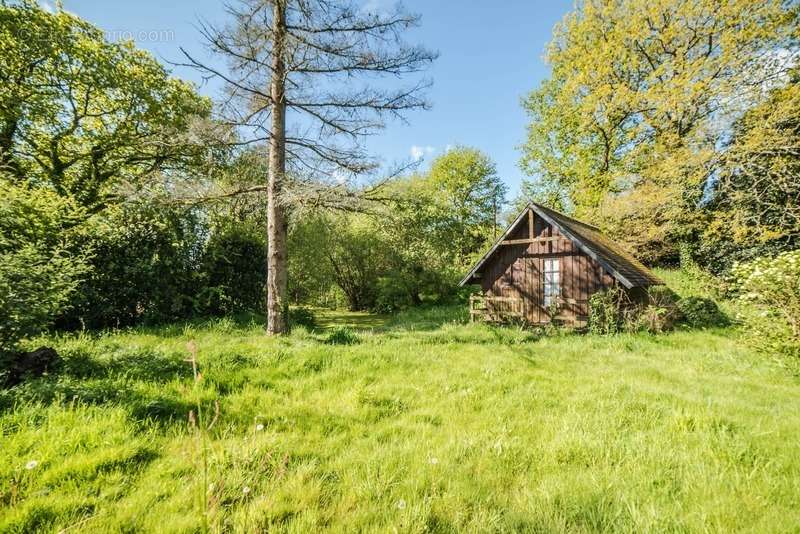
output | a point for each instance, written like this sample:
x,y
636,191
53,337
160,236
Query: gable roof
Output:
x,y
590,240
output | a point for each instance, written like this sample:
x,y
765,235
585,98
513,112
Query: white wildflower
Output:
x,y
259,427
401,504
434,460
246,490
31,465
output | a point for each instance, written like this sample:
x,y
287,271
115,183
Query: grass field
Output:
x,y
413,423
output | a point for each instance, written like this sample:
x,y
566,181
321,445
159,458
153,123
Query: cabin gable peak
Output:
x,y
617,262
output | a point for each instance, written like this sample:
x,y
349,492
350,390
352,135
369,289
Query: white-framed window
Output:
x,y
552,281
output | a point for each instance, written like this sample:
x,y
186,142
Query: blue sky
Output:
x,y
490,56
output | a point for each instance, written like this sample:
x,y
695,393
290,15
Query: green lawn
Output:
x,y
416,425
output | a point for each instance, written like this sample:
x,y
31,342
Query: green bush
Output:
x,y
40,267
701,312
233,269
773,285
144,267
302,317
605,314
613,311
35,286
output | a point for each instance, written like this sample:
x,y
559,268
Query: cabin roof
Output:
x,y
590,240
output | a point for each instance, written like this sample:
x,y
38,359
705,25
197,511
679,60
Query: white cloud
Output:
x,y
419,152
340,176
47,6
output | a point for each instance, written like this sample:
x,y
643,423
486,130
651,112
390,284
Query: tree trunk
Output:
x,y
277,254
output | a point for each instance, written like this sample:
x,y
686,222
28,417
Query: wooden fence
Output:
x,y
495,309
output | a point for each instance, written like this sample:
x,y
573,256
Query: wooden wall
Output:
x,y
515,271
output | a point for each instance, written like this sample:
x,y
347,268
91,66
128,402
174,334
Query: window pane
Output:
x,y
551,281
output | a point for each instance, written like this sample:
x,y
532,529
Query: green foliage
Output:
x,y
35,287
40,266
233,269
357,252
757,190
144,266
612,311
82,115
754,208
701,312
311,276
626,130
463,195
689,431
412,251
656,313
301,316
772,284
342,335
605,313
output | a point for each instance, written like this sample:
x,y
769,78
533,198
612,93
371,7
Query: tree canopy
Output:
x,y
627,129
79,114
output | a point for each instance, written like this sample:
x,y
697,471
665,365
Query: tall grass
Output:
x,y
423,424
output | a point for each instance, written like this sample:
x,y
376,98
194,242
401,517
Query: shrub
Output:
x,y
605,311
701,312
302,317
34,288
233,269
40,267
144,260
774,285
660,312
612,311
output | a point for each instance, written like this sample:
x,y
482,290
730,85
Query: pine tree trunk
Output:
x,y
277,254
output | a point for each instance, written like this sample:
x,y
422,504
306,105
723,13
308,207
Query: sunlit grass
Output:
x,y
419,423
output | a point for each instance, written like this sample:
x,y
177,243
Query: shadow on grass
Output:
x,y
143,406
237,321
355,320
137,364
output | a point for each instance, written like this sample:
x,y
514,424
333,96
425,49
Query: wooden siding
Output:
x,y
515,272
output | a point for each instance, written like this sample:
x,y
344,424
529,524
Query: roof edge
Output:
x,y
586,250
494,247
541,211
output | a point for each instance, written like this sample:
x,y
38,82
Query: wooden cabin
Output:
x,y
545,267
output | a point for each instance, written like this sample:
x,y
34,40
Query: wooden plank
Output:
x,y
531,233
526,241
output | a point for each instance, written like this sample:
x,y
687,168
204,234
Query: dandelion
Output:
x,y
401,504
246,490
259,427
31,465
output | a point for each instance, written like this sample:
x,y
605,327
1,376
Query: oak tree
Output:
x,y
640,99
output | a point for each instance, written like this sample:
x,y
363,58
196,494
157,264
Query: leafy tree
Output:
x,y
357,256
304,59
39,268
79,114
637,102
311,276
467,192
413,250
758,190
